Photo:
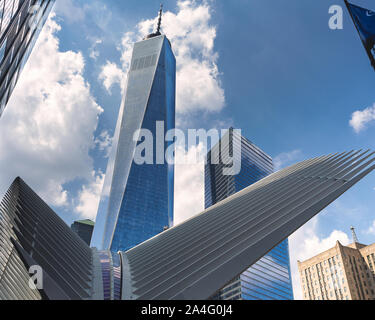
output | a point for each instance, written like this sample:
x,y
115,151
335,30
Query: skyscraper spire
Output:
x,y
157,32
160,16
354,236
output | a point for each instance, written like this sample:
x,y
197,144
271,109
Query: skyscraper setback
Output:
x,y
269,278
137,200
20,25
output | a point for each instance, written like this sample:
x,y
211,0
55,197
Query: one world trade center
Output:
x,y
137,199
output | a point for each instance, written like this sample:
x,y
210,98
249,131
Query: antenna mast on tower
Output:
x,y
160,17
355,239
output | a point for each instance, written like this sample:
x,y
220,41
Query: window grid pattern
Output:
x,y
341,273
269,278
20,24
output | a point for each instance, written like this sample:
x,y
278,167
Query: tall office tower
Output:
x,y
269,278
137,199
340,273
42,258
84,229
20,25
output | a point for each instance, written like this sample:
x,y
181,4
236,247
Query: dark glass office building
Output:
x,y
269,278
20,25
137,200
84,229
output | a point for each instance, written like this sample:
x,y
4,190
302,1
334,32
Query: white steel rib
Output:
x,y
196,258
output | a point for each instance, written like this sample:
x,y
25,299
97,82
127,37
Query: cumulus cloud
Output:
x,y
110,74
305,243
47,128
189,184
361,118
89,196
192,36
286,158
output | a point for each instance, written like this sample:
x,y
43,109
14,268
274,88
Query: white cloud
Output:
x,y
361,118
192,36
126,48
89,196
305,243
47,128
111,74
104,142
189,185
371,229
286,158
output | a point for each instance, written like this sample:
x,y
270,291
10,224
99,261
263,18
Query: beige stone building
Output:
x,y
340,273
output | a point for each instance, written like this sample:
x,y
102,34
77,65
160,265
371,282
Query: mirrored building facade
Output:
x,y
84,229
20,24
269,278
137,199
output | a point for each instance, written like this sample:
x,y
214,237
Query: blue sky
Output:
x,y
271,68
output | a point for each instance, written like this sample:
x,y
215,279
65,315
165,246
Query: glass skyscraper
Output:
x,y
269,278
20,25
137,200
84,229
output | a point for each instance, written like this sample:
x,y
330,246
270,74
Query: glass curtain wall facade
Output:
x,y
20,24
137,200
84,229
269,278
